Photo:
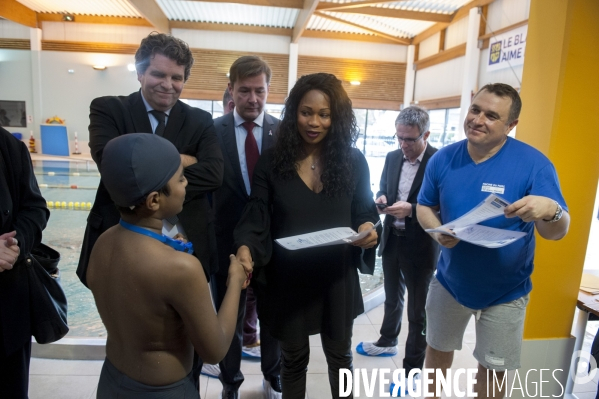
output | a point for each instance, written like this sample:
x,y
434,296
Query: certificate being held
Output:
x,y
338,235
466,228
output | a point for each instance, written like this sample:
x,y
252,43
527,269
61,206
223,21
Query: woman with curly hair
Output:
x,y
312,179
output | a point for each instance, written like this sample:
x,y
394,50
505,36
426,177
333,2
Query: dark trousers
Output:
x,y
404,267
14,373
250,322
230,367
295,356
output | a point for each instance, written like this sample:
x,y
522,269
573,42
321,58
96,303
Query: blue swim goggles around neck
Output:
x,y
175,244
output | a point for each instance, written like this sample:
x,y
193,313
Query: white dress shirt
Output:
x,y
406,178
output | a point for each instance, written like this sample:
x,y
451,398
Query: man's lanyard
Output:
x,y
175,244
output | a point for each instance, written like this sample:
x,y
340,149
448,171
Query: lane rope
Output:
x,y
77,206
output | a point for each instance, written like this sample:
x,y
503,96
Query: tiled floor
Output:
x,y
69,379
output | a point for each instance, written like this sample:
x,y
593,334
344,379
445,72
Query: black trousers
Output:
x,y
404,267
230,367
295,356
14,373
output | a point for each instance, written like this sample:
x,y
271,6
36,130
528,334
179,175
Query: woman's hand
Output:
x,y
370,240
244,256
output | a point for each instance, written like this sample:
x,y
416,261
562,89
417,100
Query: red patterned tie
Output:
x,y
251,149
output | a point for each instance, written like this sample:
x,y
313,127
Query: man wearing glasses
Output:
x,y
409,254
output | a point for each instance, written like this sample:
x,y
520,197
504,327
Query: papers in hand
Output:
x,y
339,235
466,228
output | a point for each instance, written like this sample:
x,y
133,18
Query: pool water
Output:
x,y
64,233
66,228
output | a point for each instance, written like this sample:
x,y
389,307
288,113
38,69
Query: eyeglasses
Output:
x,y
409,141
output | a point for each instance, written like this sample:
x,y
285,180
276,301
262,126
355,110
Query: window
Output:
x,y
444,127
216,107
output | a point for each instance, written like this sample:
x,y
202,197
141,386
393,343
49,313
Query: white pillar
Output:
x,y
471,61
293,54
408,92
35,38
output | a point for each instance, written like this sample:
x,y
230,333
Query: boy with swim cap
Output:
x,y
151,294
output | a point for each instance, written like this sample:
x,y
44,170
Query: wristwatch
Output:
x,y
558,214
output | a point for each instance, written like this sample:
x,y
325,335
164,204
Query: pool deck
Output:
x,y
78,379
85,157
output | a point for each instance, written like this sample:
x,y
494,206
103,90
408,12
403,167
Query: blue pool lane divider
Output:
x,y
76,206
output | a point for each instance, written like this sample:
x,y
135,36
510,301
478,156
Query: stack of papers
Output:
x,y
589,284
339,235
466,228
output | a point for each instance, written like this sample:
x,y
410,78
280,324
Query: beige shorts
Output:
x,y
498,328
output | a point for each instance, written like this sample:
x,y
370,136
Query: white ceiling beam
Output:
x,y
399,40
266,3
303,18
153,13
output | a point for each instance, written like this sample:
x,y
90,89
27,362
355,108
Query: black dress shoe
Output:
x,y
275,383
230,394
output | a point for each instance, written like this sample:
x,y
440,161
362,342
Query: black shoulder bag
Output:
x,y
46,297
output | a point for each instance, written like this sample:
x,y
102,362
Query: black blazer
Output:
x,y
191,130
388,187
230,199
22,208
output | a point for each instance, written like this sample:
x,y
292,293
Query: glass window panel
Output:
x,y
217,106
453,126
274,110
437,119
380,136
206,105
361,122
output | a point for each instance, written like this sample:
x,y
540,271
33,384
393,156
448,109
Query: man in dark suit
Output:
x,y
163,65
243,135
409,253
23,216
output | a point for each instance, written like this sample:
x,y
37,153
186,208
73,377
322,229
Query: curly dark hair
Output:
x,y
167,45
337,176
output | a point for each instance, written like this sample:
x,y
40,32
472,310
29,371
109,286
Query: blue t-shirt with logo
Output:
x,y
479,277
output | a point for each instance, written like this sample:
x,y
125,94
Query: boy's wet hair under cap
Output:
x,y
136,164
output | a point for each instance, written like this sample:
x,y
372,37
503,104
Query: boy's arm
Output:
x,y
187,291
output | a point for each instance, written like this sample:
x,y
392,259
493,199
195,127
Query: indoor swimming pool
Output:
x,y
63,182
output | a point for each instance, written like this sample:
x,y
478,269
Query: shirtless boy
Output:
x,y
152,297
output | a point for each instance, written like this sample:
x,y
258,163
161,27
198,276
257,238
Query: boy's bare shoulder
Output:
x,y
179,265
180,276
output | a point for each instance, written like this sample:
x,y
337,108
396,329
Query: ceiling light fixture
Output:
x,y
355,83
68,17
99,67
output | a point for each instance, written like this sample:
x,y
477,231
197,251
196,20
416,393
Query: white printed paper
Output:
x,y
484,236
490,208
338,235
466,228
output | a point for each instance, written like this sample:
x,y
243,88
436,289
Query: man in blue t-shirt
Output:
x,y
491,284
